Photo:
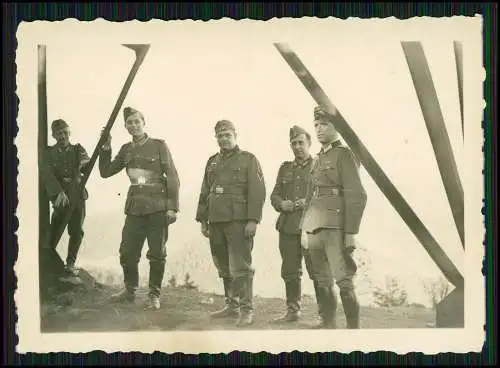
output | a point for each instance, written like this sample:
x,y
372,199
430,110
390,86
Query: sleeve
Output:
x,y
49,180
108,168
276,194
173,182
202,210
83,158
256,190
354,193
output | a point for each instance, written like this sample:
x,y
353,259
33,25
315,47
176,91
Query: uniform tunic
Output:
x,y
232,193
291,184
153,191
335,204
61,170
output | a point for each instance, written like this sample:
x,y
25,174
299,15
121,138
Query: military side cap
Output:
x,y
296,131
320,114
222,125
129,111
59,124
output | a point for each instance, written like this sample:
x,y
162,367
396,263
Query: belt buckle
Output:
x,y
335,191
141,180
219,190
67,180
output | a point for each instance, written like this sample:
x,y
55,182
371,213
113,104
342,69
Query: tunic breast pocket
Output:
x,y
238,175
329,172
127,158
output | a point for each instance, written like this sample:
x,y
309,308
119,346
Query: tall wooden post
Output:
x,y
43,201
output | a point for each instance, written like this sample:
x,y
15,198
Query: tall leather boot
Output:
x,y
293,298
231,307
245,287
131,280
327,305
317,292
156,273
73,248
351,308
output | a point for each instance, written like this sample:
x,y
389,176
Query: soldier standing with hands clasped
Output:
x,y
336,200
229,209
151,206
288,198
62,167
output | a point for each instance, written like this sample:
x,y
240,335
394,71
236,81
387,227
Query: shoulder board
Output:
x,y
157,140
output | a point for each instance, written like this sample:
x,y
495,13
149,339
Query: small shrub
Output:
x,y
172,282
188,283
393,295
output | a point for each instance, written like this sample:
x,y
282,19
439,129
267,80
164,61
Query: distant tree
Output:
x,y
172,282
392,295
188,283
436,289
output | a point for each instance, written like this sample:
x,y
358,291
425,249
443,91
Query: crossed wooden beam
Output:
x,y
436,128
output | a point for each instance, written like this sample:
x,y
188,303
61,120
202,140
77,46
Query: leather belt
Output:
x,y
219,189
327,192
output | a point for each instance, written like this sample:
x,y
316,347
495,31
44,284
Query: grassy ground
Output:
x,y
183,309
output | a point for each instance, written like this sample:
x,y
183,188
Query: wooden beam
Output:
x,y
434,121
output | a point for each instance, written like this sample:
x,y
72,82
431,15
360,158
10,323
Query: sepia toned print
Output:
x,y
243,159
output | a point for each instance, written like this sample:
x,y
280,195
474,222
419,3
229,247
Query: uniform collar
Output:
x,y
330,146
302,163
230,152
141,141
61,149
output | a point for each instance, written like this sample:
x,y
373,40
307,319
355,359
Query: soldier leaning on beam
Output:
x,y
62,167
335,204
288,198
229,208
151,206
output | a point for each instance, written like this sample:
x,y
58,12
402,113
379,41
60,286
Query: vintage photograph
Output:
x,y
239,181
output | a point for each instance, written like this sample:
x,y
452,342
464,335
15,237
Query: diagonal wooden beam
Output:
x,y
434,121
459,61
386,186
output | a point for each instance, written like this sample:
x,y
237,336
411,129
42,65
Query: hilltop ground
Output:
x,y
183,309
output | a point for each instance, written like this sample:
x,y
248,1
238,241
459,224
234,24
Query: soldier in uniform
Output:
x,y
336,200
288,198
229,208
151,206
62,167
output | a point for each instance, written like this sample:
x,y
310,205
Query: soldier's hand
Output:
x,y
205,230
171,217
304,240
300,203
250,229
287,206
107,143
61,200
350,243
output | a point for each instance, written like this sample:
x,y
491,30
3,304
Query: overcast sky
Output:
x,y
197,73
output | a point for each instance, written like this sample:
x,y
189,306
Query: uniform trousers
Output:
x,y
136,230
75,229
232,255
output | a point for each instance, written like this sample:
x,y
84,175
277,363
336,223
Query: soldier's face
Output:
x,y
300,146
325,131
226,139
135,125
61,135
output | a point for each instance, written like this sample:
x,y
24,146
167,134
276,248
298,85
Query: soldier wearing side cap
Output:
x,y
229,208
151,206
63,165
335,203
288,198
